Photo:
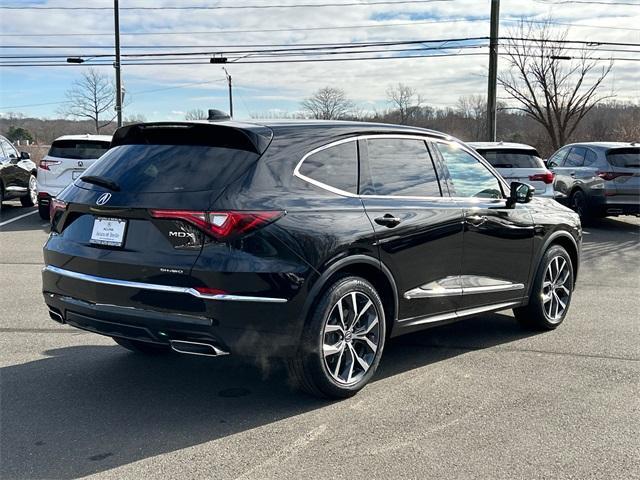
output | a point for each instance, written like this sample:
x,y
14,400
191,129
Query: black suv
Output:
x,y
313,241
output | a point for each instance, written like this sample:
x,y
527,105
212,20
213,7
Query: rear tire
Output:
x,y
342,342
551,293
31,198
43,211
578,203
145,348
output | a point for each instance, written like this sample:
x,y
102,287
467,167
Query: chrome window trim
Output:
x,y
159,288
324,186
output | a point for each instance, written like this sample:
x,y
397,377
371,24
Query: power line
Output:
x,y
232,7
311,29
594,2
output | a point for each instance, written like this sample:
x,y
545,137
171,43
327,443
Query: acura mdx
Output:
x,y
311,241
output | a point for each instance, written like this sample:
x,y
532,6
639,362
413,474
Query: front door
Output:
x,y
418,231
498,240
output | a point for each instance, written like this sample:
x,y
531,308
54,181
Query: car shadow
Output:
x,y
86,409
609,236
13,209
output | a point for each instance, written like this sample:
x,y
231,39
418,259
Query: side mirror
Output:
x,y
25,156
520,193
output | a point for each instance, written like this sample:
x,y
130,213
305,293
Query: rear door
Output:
x,y
115,231
498,241
418,231
15,179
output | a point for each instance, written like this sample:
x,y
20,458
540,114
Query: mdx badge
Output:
x,y
104,198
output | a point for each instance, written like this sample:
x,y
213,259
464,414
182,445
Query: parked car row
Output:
x,y
595,179
17,175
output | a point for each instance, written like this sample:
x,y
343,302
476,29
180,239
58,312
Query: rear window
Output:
x,y
78,149
172,168
624,157
505,158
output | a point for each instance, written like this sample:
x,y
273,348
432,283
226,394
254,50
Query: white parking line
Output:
x,y
7,222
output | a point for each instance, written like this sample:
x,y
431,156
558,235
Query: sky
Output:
x,y
166,92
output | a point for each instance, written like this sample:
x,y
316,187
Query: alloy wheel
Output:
x,y
351,338
578,204
555,291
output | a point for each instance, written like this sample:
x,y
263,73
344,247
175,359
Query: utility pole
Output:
x,y
493,71
230,92
116,65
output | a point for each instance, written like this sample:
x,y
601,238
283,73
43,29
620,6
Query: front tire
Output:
x,y
552,292
31,198
145,348
342,342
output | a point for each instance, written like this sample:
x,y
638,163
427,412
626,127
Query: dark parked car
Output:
x,y
17,175
315,241
598,179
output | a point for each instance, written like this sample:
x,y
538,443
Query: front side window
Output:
x,y
335,166
575,157
556,159
9,151
401,167
469,177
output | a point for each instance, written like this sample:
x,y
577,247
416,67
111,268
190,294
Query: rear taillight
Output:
x,y
45,164
56,206
613,175
546,177
221,225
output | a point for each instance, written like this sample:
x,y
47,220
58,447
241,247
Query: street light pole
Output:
x,y
116,65
230,92
493,71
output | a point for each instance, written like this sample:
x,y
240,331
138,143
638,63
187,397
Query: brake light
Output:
x,y
613,175
56,206
45,164
546,177
221,225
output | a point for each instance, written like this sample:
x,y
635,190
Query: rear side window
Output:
x,y
575,157
512,158
470,178
172,168
401,167
335,166
78,149
624,157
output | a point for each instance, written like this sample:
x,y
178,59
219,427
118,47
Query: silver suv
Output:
x,y
598,179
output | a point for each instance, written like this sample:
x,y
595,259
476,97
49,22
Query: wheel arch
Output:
x,y
368,268
569,243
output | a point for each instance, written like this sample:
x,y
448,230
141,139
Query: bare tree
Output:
x,y
554,86
328,103
405,100
196,114
92,97
474,109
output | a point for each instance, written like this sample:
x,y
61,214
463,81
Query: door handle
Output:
x,y
573,174
477,220
388,220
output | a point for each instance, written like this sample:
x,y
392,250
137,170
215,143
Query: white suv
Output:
x,y
68,157
517,162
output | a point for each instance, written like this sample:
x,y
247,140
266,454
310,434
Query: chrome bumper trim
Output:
x,y
159,288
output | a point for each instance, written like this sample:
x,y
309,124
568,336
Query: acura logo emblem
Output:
x,y
104,198
80,164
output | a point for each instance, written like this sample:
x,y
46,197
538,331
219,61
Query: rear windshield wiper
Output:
x,y
101,181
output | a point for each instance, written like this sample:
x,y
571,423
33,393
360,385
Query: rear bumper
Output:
x,y
242,326
48,191
616,205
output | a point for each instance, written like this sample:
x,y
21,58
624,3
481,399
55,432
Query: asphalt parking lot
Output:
x,y
482,398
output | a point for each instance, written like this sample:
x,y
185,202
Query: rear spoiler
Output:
x,y
248,137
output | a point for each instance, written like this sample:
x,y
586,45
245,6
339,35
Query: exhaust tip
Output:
x,y
196,348
56,316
